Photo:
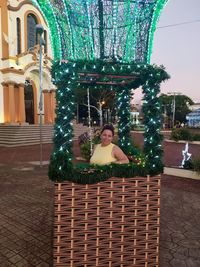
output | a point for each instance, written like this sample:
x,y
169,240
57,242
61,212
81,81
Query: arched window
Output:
x,y
18,23
31,31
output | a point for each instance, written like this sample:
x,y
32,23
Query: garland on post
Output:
x,y
68,76
61,160
152,121
123,113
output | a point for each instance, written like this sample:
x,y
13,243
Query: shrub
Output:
x,y
196,164
85,151
85,147
181,134
188,165
196,137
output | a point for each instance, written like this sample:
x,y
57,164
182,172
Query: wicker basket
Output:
x,y
109,224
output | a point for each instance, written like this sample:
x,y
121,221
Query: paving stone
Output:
x,y
195,253
168,245
177,263
164,263
15,258
44,256
43,264
9,254
190,243
181,253
7,264
22,263
192,262
165,254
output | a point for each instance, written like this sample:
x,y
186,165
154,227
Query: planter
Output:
x,y
112,223
181,173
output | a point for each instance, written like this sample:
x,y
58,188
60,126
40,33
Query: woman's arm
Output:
x,y
119,155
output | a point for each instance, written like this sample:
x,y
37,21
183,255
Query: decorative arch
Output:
x,y
20,4
32,74
158,9
123,30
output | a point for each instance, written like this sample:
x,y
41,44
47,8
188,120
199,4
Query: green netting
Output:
x,y
99,29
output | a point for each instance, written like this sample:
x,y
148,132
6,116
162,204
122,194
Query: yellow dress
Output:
x,y
103,155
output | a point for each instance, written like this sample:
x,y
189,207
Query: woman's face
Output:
x,y
106,137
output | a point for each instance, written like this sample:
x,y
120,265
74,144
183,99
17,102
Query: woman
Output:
x,y
107,152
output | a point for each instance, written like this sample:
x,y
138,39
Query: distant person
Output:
x,y
106,152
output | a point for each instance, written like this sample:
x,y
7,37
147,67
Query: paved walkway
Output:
x,y
180,222
26,214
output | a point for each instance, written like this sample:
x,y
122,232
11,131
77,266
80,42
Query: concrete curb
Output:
x,y
183,142
181,173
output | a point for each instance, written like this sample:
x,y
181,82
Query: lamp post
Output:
x,y
39,31
174,106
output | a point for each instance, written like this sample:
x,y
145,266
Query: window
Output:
x,y
45,40
18,22
31,31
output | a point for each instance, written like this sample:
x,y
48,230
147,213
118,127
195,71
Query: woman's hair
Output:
x,y
108,127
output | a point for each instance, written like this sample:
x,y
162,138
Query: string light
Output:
x,y
159,5
66,82
128,28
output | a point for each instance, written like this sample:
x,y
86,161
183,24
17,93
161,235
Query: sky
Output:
x,y
178,47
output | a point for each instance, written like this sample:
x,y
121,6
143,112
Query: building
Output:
x,y
193,118
19,65
135,114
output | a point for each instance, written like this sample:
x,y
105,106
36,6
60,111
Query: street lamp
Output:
x,y
174,105
39,31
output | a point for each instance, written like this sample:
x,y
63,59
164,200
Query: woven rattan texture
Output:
x,y
109,224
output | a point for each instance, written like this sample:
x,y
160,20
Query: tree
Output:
x,y
182,103
104,97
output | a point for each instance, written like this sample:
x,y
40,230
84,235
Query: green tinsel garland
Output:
x,y
94,173
66,78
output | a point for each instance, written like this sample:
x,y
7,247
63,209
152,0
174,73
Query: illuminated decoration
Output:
x,y
186,155
92,29
103,44
159,5
68,77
